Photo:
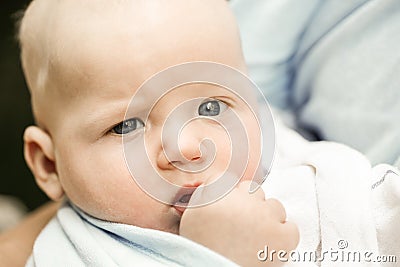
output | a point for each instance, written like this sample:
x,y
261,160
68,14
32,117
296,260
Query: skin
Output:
x,y
258,221
16,244
82,86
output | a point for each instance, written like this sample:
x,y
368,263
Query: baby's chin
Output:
x,y
169,222
174,230
166,219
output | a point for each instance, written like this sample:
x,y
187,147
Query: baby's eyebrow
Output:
x,y
99,120
138,105
117,110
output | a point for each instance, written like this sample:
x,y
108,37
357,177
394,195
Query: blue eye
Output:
x,y
128,126
212,108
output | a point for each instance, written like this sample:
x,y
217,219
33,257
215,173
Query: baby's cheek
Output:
x,y
224,157
93,181
293,235
222,154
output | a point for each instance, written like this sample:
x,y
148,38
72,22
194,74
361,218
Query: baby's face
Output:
x,y
101,63
92,166
104,67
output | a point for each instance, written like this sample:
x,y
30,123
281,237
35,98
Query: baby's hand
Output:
x,y
241,224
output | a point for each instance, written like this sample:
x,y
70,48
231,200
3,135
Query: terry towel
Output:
x,y
73,238
339,202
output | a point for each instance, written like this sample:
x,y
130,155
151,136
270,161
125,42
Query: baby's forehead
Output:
x,y
86,35
67,44
65,21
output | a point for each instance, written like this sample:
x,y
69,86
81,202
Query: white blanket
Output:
x,y
338,200
75,239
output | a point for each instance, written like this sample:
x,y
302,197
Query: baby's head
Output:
x,y
84,60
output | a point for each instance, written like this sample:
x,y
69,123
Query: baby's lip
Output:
x,y
182,197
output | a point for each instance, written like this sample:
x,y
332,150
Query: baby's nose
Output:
x,y
187,149
184,147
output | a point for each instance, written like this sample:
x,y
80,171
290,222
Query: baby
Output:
x,y
83,62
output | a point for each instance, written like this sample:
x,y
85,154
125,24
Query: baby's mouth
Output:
x,y
183,197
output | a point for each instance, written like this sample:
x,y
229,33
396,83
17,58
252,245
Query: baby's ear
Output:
x,y
39,155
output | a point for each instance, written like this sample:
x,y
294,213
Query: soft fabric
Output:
x,y
270,32
333,64
336,198
386,207
73,238
347,85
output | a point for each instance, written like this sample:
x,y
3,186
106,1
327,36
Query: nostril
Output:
x,y
195,158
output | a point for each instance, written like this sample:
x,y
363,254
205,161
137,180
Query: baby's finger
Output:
x,y
258,194
212,190
277,209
